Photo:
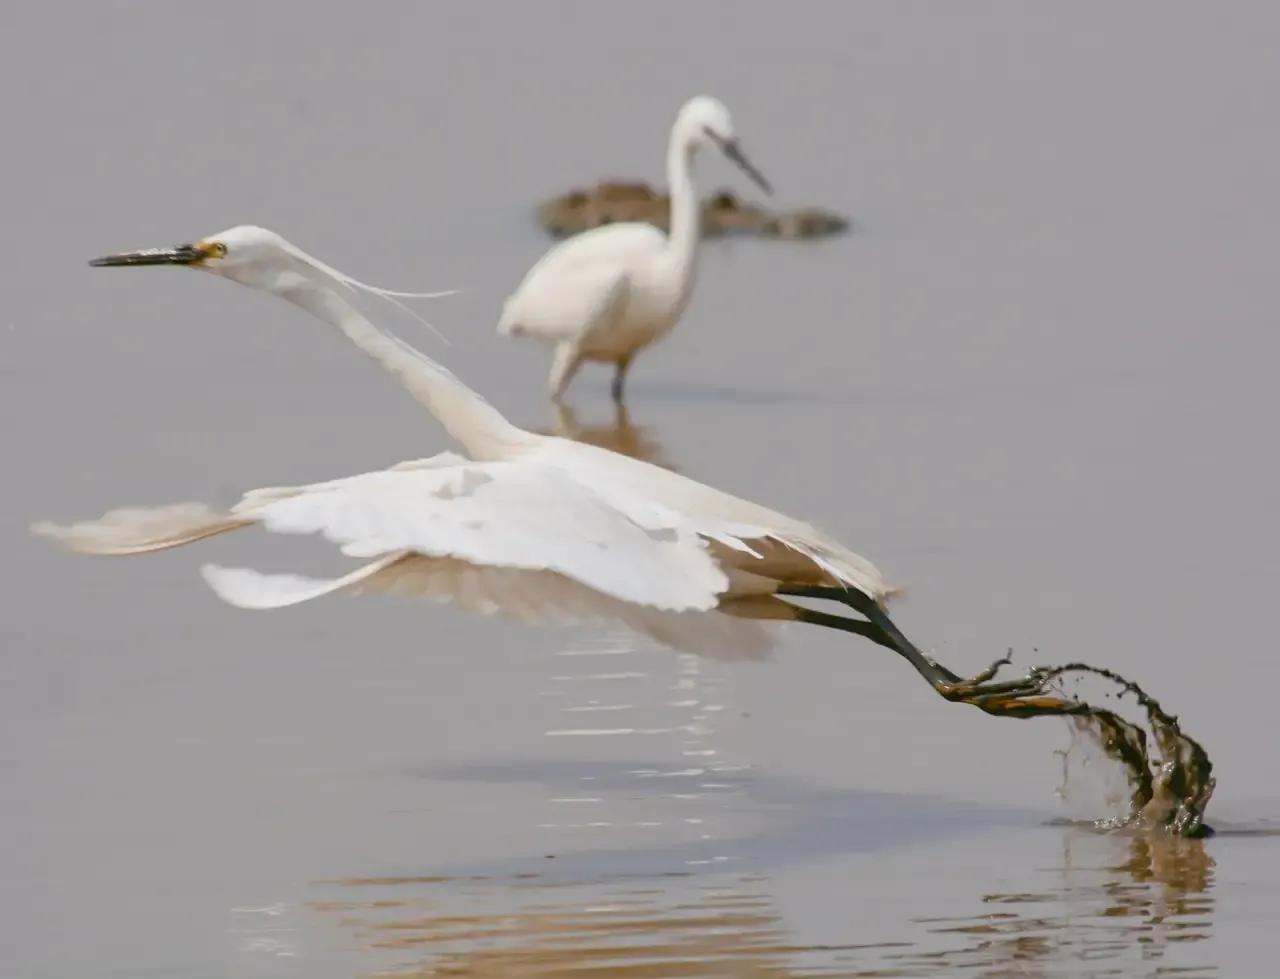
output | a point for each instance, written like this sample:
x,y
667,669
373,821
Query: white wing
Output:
x,y
504,515
580,285
524,539
535,597
752,538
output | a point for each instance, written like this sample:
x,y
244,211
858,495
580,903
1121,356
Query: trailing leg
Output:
x,y
978,689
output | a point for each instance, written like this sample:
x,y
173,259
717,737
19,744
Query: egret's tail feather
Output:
x,y
139,530
246,588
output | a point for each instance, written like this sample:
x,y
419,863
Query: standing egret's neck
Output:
x,y
686,212
476,425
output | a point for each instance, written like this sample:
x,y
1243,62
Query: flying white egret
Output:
x,y
610,292
532,525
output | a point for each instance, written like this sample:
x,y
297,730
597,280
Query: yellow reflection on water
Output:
x,y
640,931
1115,905
618,434
1114,899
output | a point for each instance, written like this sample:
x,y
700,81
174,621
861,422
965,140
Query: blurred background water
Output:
x,y
1035,385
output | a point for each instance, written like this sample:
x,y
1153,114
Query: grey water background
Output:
x,y
1036,385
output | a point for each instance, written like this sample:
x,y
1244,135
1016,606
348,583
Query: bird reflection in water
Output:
x,y
1118,898
619,435
648,930
1123,903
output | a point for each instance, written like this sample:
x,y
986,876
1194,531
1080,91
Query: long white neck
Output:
x,y
686,211
474,423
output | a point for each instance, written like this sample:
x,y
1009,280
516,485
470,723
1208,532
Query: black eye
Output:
x,y
219,249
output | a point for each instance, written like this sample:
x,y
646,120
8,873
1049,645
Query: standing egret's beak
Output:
x,y
731,149
178,255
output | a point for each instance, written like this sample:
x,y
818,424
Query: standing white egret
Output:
x,y
610,292
533,525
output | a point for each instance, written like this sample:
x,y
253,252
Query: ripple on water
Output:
x,y
1125,905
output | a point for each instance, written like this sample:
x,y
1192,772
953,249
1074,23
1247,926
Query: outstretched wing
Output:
x,y
521,539
532,596
745,535
516,515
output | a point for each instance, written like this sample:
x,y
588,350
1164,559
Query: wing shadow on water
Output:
x,y
810,822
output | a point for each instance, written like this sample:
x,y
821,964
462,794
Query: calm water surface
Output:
x,y
1037,386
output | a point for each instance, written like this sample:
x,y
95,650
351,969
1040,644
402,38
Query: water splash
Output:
x,y
1169,792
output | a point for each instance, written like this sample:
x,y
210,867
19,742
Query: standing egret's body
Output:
x,y
533,525
606,294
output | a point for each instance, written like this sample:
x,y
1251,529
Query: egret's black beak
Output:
x,y
731,149
178,255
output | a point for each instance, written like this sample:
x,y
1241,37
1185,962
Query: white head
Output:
x,y
256,257
246,253
705,121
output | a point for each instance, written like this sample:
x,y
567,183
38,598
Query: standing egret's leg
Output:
x,y
992,697
620,377
564,364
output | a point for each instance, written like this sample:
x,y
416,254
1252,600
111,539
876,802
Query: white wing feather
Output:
x,y
505,515
521,539
246,588
616,245
651,495
555,311
535,597
580,286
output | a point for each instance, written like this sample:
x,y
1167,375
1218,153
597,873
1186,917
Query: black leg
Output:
x,y
938,676
856,626
619,379
977,689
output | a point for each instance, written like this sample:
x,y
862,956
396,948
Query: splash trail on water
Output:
x,y
1169,792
